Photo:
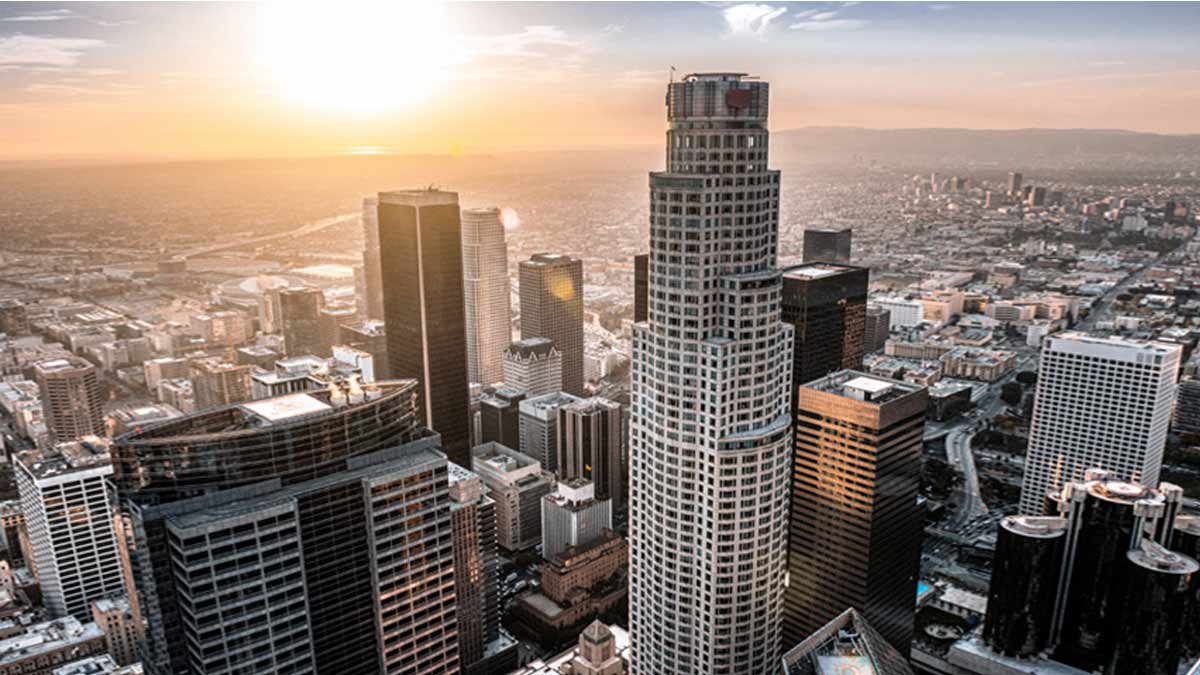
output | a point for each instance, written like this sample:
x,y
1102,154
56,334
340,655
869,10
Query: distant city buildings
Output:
x,y
534,365
488,296
217,383
1101,403
877,327
420,243
70,394
300,321
551,290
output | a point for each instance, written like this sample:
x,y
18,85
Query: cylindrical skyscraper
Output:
x,y
1025,575
710,424
1153,601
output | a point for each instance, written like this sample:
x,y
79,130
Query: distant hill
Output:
x,y
982,145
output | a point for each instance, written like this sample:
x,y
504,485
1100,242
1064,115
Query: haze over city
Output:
x,y
680,338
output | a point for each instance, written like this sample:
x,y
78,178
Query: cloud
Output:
x,y
807,14
538,40
614,28
46,15
33,50
823,16
751,19
834,25
941,7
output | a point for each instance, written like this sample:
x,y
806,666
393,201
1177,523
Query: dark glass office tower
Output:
x,y
828,306
1156,594
855,530
1029,552
300,314
289,440
500,416
552,307
420,249
641,287
823,245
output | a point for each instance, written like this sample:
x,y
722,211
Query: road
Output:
x,y
304,230
1102,307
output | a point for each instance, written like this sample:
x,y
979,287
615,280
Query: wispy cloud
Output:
x,y
941,7
44,15
33,50
816,20
823,16
539,40
751,19
614,28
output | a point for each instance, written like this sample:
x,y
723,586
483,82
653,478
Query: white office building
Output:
x,y
69,516
1102,403
904,313
535,365
572,516
487,294
710,426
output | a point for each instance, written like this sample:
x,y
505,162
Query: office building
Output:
x,y
488,297
877,329
1101,403
847,644
641,287
34,649
539,427
332,319
1094,587
573,515
372,272
300,321
14,318
370,337
578,585
1187,407
121,629
1014,183
827,306
500,416
902,312
710,395
602,650
128,418
69,520
473,517
165,368
351,572
551,290
856,526
420,247
1037,196
589,443
517,484
825,245
291,439
217,383
223,328
535,366
70,393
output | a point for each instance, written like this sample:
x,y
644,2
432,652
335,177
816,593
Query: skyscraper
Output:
x,y
856,525
517,483
589,447
826,245
420,245
535,366
552,307
488,297
1102,403
710,397
641,287
573,515
300,317
1014,183
500,416
70,391
216,383
69,517
827,305
372,272
274,444
540,428
878,327
473,515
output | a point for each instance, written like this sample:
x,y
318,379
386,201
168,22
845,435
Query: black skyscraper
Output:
x,y
300,314
828,306
420,252
821,245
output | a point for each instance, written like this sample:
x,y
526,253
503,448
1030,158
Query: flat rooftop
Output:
x,y
89,452
286,407
817,270
1116,341
871,388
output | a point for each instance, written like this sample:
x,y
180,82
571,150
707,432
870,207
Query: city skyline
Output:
x,y
69,73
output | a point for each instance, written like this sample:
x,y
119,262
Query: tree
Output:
x,y
1027,377
1010,393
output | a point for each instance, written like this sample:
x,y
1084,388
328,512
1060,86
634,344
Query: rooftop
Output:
x,y
538,346
1041,527
429,196
816,270
865,387
89,452
848,644
273,410
43,638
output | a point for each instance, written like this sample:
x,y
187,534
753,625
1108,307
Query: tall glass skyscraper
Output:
x,y
710,428
487,293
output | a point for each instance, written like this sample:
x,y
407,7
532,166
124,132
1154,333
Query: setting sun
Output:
x,y
365,58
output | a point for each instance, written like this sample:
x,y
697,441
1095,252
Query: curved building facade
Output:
x,y
1025,570
710,428
1154,603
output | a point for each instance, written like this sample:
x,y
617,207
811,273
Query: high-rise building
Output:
x,y
473,516
711,395
589,447
551,288
535,366
1102,403
875,335
217,383
70,393
254,450
848,644
121,629
165,368
14,318
641,287
488,299
517,483
372,272
300,321
856,525
573,515
420,246
69,517
539,427
370,337
827,305
1014,183
500,416
332,319
1187,406
1037,196
826,245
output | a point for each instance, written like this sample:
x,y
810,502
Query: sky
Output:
x,y
215,80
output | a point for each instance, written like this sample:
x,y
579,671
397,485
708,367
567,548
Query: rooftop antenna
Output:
x,y
672,74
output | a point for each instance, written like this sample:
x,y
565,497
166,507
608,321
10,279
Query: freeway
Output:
x,y
303,230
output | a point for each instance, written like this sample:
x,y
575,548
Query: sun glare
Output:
x,y
510,219
360,58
